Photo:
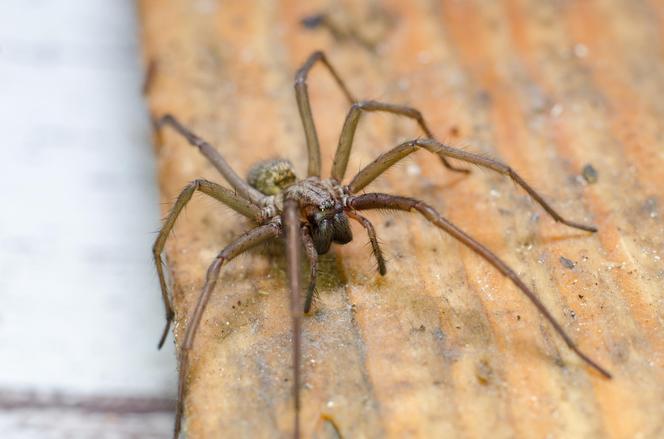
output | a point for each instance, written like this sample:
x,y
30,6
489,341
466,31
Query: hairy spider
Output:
x,y
314,212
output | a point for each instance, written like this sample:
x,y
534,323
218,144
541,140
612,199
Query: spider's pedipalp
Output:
x,y
312,255
375,246
385,201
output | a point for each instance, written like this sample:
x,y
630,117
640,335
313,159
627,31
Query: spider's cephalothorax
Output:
x,y
322,210
321,206
312,213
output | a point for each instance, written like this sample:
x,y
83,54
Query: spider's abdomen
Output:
x,y
271,176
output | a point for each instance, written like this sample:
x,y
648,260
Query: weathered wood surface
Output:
x,y
443,346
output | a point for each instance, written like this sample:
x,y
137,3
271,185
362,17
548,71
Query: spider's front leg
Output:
x,y
250,239
292,228
385,201
214,190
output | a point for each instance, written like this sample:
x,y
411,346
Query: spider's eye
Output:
x,y
319,216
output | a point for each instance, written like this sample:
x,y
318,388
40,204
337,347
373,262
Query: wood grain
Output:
x,y
443,346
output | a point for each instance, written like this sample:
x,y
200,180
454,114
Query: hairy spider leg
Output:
x,y
342,155
384,161
241,187
375,247
303,104
215,191
291,225
385,201
246,241
312,256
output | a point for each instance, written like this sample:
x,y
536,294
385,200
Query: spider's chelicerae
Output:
x,y
314,212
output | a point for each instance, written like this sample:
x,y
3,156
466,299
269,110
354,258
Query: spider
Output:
x,y
314,212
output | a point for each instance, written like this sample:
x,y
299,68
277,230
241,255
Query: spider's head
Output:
x,y
327,226
271,176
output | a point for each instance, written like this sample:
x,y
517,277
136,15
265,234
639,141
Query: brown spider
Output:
x,y
314,212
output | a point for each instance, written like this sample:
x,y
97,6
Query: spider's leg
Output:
x,y
385,201
149,77
209,188
312,255
241,187
384,161
350,126
304,106
291,225
375,247
250,239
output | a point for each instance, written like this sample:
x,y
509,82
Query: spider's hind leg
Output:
x,y
241,187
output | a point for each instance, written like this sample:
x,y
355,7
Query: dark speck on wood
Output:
x,y
567,263
589,174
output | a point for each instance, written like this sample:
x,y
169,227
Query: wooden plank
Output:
x,y
443,346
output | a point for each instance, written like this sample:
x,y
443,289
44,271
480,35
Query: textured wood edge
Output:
x,y
443,346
